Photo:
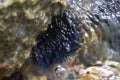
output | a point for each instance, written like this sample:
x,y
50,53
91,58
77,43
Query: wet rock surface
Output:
x,y
110,70
21,21
15,76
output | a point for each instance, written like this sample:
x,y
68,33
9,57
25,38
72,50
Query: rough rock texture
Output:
x,y
109,70
20,22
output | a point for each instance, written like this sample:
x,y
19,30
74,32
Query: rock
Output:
x,y
89,77
20,22
16,76
100,71
43,78
104,72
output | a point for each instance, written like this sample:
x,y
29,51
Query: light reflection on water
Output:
x,y
100,21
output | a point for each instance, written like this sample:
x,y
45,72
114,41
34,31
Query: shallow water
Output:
x,y
100,21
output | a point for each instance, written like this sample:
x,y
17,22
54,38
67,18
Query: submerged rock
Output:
x,y
16,76
108,71
22,21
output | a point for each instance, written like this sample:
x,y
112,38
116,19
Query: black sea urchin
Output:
x,y
58,42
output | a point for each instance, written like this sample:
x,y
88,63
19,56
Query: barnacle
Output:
x,y
59,41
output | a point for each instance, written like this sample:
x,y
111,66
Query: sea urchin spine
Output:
x,y
59,41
